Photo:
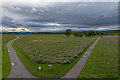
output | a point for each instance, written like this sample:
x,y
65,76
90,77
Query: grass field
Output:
x,y
34,50
103,61
52,48
6,64
0,56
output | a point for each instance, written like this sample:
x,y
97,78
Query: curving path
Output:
x,y
18,70
77,68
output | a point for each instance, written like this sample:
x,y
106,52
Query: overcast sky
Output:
x,y
59,16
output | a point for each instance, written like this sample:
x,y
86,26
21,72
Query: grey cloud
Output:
x,y
68,14
87,15
6,21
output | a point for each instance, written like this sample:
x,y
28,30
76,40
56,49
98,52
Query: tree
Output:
x,y
93,33
90,33
68,32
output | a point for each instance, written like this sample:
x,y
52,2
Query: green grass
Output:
x,y
0,64
57,70
6,64
103,61
0,56
52,48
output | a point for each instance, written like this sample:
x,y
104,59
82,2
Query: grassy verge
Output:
x,y
5,61
103,61
57,70
0,65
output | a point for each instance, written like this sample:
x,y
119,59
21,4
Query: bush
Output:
x,y
75,34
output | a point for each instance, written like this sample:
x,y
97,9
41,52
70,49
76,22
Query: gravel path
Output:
x,y
75,71
18,70
112,36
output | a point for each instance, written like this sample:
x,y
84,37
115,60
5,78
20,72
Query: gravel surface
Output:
x,y
18,70
112,36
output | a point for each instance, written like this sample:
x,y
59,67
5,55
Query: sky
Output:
x,y
55,16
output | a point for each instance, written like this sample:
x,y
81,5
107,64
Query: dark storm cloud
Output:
x,y
68,14
80,13
6,21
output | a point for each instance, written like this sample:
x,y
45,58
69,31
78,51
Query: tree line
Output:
x,y
87,33
90,33
70,32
